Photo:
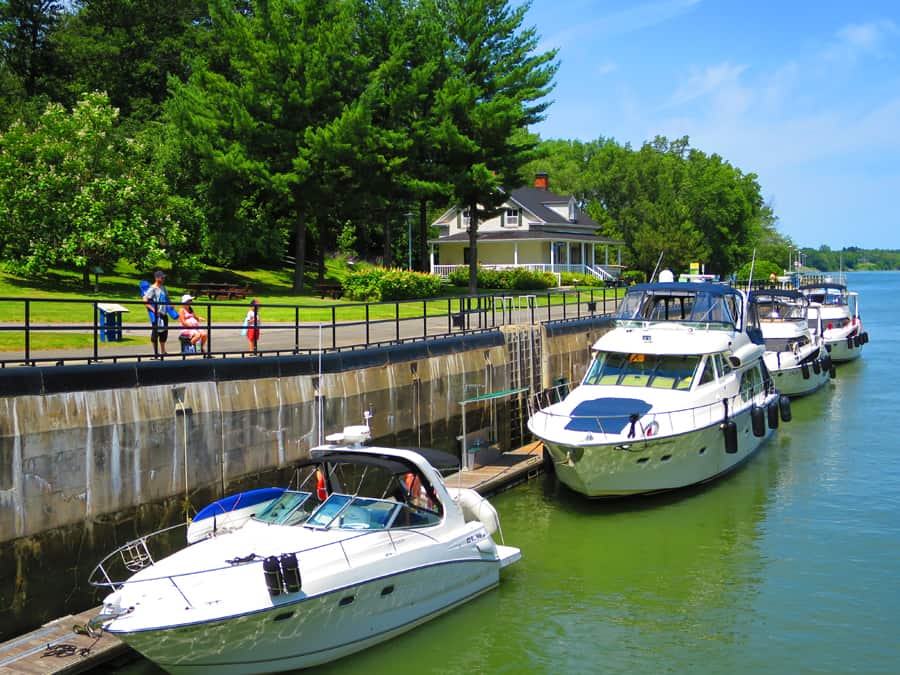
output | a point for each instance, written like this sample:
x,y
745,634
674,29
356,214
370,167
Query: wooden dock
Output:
x,y
62,646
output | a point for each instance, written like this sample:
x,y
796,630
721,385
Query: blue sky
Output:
x,y
805,95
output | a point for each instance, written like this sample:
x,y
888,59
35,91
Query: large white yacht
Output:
x,y
369,543
791,326
676,394
842,326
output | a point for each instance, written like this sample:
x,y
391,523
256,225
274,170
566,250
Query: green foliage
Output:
x,y
762,271
575,279
378,283
632,277
75,192
517,278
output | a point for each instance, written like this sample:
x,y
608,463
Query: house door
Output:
x,y
467,255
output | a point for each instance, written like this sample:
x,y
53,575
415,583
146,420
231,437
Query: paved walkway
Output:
x,y
282,338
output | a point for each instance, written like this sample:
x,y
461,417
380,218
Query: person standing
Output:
x,y
251,325
156,301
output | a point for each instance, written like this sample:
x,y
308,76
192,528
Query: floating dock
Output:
x,y
65,646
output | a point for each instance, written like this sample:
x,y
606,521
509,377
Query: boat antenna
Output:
x,y
319,397
655,269
752,264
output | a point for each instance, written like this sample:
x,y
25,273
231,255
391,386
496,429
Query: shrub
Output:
x,y
632,277
516,278
575,279
378,283
762,270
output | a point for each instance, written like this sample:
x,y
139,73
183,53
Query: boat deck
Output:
x,y
56,648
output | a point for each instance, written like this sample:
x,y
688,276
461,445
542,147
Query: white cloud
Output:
x,y
706,81
857,39
606,68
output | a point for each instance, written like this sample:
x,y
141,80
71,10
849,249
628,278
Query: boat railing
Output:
x,y
107,573
650,424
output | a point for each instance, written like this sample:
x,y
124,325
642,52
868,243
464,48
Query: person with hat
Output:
x,y
156,301
251,325
191,323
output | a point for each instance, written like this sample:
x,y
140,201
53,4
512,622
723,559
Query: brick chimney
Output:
x,y
541,181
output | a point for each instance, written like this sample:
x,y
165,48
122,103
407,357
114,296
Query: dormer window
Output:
x,y
572,216
466,219
511,218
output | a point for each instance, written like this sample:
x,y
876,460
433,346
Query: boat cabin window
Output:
x,y
288,509
660,371
723,366
751,383
789,344
709,371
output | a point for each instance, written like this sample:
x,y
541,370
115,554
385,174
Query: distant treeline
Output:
x,y
851,259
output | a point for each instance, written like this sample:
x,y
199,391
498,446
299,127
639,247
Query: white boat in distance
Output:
x,y
370,544
676,394
791,326
841,322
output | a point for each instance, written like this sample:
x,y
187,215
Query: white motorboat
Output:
x,y
676,394
841,323
368,544
795,348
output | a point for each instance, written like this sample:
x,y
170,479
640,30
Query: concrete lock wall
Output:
x,y
92,456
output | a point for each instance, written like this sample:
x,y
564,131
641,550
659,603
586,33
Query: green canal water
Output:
x,y
789,565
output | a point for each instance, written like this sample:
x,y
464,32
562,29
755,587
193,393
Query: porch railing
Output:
x,y
605,272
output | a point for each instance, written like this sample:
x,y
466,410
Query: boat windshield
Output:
x,y
680,304
780,309
643,370
288,509
347,512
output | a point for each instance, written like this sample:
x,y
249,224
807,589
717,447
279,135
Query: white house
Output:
x,y
536,228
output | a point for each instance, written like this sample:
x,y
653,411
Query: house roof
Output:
x,y
535,233
536,200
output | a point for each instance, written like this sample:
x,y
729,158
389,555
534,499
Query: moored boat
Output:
x,y
795,355
367,543
676,394
842,326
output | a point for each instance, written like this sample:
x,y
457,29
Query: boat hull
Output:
x,y
616,469
793,382
313,630
844,348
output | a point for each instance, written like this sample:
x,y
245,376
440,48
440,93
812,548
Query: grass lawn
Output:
x,y
49,300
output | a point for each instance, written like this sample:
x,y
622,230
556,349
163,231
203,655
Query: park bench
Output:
x,y
217,290
332,289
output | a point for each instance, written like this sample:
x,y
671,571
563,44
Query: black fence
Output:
x,y
284,328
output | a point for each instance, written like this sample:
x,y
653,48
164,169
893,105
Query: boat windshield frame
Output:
x,y
708,306
657,371
352,512
287,509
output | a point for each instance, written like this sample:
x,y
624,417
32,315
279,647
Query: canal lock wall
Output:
x,y
93,456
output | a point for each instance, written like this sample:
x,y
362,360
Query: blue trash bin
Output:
x,y
111,321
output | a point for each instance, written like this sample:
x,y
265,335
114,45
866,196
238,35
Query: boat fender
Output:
x,y
772,412
864,336
476,508
856,341
832,371
290,572
804,369
321,492
826,362
817,368
784,407
758,421
850,342
729,428
272,574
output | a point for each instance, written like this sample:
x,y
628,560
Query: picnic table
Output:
x,y
218,290
333,289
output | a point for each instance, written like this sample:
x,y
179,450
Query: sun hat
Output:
x,y
187,297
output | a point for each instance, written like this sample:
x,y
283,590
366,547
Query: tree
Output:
x,y
25,29
268,111
128,49
496,86
75,192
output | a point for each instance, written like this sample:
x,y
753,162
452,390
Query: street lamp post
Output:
x,y
409,216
